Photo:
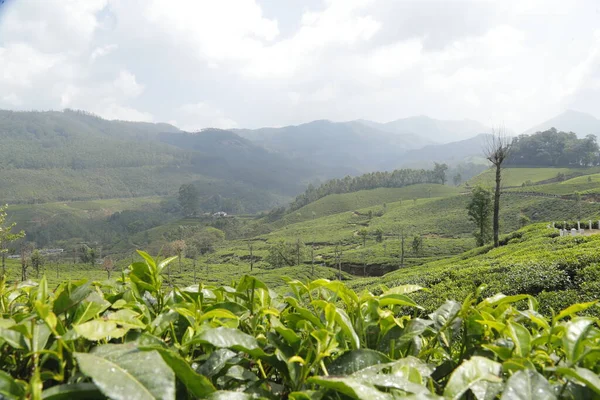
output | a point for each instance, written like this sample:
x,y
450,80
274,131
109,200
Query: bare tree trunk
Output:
x,y
496,224
402,251
312,254
298,252
251,257
195,269
23,265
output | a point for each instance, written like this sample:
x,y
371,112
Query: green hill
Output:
x,y
587,184
72,155
516,176
338,203
533,260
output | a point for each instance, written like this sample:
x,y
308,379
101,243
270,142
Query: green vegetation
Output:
x,y
534,261
339,203
136,338
479,212
73,155
587,184
552,148
395,179
523,176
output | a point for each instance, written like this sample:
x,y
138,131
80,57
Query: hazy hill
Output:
x,y
341,147
582,124
432,130
225,155
451,153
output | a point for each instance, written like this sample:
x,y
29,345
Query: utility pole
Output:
x,y
298,252
312,254
251,257
402,250
340,265
194,269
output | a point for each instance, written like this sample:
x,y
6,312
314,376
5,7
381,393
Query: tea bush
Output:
x,y
138,339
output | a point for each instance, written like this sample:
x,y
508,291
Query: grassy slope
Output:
x,y
21,213
559,270
23,185
207,271
441,221
518,176
587,184
339,203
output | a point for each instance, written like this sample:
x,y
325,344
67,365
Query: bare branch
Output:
x,y
497,147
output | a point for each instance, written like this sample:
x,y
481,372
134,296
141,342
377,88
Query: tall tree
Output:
x,y
6,236
189,199
364,234
497,151
439,172
417,244
179,247
37,261
457,179
480,211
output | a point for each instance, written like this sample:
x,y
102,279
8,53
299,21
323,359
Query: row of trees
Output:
x,y
394,179
553,148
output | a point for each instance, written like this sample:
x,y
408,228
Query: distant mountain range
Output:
x,y
361,145
73,155
432,130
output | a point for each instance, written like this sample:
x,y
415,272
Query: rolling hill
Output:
x,y
432,130
343,147
365,146
451,153
72,155
582,124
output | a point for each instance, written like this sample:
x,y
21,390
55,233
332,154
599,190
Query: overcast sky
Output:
x,y
253,63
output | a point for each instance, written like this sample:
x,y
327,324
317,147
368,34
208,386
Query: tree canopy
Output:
x,y
395,179
553,148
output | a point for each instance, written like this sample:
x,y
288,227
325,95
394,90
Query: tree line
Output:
x,y
553,148
394,179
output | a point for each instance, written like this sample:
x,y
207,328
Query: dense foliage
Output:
x,y
479,211
135,339
395,179
554,148
73,155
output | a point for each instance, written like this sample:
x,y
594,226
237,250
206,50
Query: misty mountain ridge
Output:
x,y
581,123
68,155
432,130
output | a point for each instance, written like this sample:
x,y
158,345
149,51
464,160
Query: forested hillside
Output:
x,y
73,155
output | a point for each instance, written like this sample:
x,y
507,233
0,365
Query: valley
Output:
x,y
403,239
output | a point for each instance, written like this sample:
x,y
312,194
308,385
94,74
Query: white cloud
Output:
x,y
103,51
196,116
116,111
516,61
23,64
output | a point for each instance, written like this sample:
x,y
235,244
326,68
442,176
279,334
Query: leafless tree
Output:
x,y
497,150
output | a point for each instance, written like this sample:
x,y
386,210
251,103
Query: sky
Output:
x,y
255,63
